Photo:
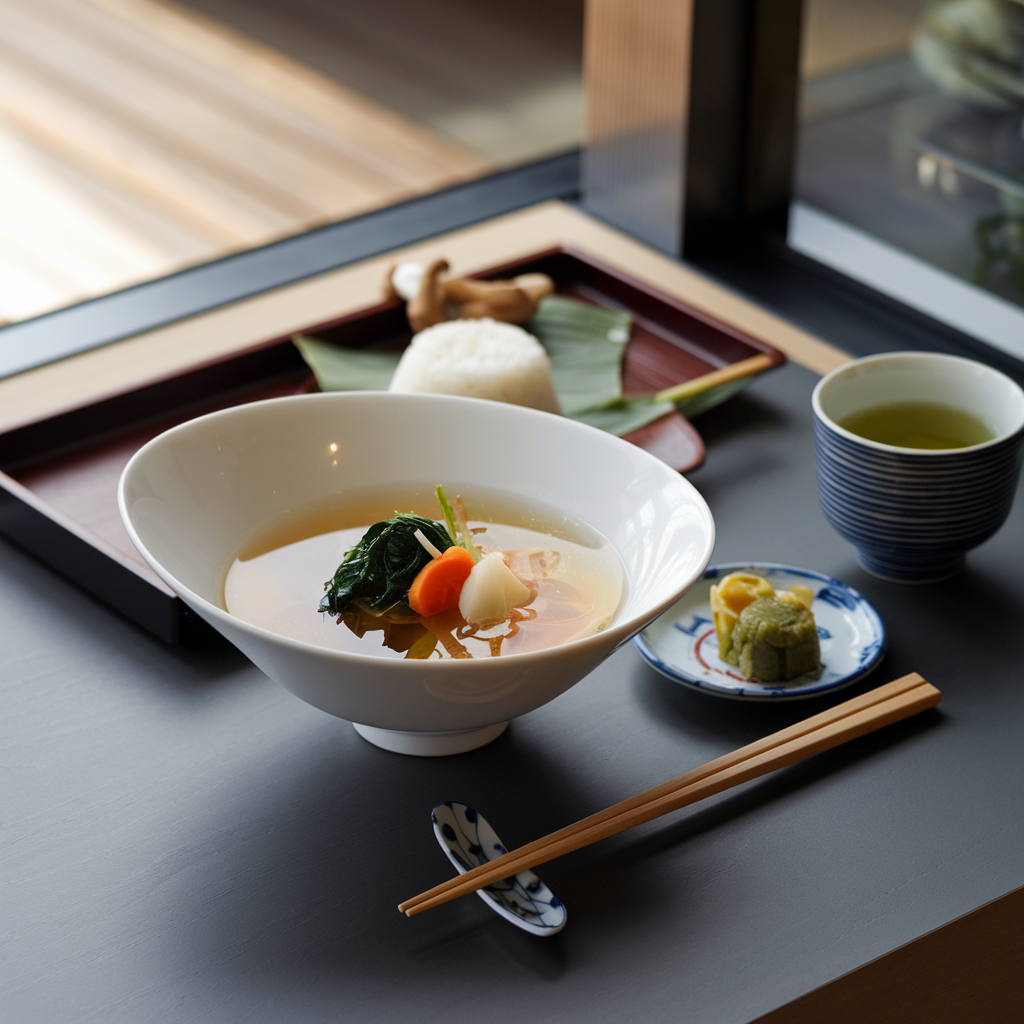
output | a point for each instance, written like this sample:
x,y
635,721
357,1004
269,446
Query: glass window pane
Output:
x,y
911,161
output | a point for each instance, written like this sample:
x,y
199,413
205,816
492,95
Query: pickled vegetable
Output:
x,y
729,598
774,640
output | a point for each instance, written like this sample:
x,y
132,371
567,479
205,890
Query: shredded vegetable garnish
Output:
x,y
430,548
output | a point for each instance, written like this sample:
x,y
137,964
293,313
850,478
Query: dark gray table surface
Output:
x,y
182,840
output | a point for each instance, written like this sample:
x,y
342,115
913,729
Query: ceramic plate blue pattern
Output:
x,y
468,840
681,643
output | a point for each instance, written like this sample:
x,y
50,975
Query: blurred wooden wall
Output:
x,y
137,137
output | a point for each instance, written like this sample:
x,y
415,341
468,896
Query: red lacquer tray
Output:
x,y
58,498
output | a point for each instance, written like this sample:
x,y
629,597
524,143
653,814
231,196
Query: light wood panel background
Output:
x,y
137,136
841,33
500,77
637,66
140,136
636,54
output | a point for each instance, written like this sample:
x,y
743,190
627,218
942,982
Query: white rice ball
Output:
x,y
478,359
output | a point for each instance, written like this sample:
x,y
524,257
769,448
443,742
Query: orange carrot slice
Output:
x,y
439,583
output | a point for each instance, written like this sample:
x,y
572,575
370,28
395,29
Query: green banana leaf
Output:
x,y
585,344
346,369
625,416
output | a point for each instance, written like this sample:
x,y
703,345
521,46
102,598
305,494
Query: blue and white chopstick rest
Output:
x,y
468,841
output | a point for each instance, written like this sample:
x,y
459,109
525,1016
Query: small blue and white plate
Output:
x,y
681,644
469,841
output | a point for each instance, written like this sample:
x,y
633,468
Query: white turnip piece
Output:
x,y
491,590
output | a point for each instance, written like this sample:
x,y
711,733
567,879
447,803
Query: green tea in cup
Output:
x,y
918,425
917,456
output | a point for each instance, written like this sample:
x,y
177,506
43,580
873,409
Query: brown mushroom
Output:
x,y
390,292
437,300
426,308
511,301
500,300
535,285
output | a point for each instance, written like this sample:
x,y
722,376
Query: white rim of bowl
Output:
x,y
923,452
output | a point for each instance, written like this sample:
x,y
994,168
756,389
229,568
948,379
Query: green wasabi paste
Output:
x,y
774,640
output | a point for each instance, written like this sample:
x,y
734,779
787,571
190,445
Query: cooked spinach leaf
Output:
x,y
381,568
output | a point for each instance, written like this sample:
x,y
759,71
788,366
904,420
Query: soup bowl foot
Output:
x,y
430,744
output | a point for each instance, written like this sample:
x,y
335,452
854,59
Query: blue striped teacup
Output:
x,y
914,513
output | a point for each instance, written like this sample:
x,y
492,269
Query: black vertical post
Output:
x,y
742,131
692,118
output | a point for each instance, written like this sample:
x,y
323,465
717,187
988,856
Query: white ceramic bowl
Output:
x,y
193,496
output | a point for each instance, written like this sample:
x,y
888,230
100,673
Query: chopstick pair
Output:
x,y
879,707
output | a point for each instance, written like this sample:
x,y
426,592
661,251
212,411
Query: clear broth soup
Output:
x,y
277,580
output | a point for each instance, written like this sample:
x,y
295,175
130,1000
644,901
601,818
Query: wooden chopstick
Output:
x,y
916,698
873,710
707,381
795,731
